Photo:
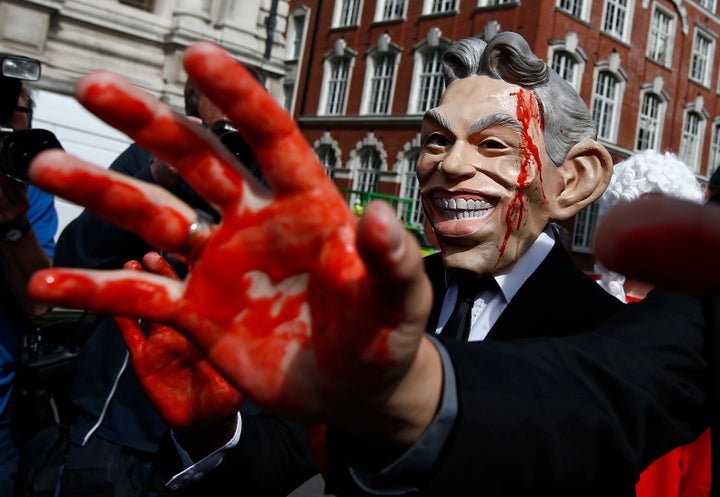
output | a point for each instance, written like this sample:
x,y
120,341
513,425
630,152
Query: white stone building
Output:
x,y
141,39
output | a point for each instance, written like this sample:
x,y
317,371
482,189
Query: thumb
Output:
x,y
394,260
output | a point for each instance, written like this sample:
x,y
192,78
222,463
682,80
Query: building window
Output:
x,y
708,5
328,153
389,10
441,6
430,83
381,83
650,122
606,102
584,229
494,3
347,13
337,80
296,36
329,160
147,5
367,175
714,161
617,19
575,8
702,53
410,212
566,66
662,29
691,141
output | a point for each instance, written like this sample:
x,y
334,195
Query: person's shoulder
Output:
x,y
132,160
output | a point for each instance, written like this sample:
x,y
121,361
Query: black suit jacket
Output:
x,y
601,390
580,415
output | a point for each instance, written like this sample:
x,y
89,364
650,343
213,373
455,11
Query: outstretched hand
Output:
x,y
670,242
184,387
308,313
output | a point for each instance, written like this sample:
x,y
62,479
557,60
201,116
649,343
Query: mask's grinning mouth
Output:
x,y
461,208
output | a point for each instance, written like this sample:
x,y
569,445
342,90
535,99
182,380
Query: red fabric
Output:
x,y
682,472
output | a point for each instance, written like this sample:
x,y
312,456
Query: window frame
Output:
x,y
604,102
584,10
691,141
330,83
434,7
584,229
382,80
655,34
343,10
615,8
657,120
714,156
435,80
701,62
382,6
709,5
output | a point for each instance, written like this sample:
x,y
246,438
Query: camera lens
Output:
x,y
19,148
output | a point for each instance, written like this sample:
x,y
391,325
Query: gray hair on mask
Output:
x,y
508,57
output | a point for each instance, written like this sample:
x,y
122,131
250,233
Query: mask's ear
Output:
x,y
585,173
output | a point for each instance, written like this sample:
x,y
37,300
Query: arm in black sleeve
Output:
x,y
584,412
578,415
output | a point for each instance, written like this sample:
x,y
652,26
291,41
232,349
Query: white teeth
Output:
x,y
463,208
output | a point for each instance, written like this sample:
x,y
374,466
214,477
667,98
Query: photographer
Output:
x,y
28,222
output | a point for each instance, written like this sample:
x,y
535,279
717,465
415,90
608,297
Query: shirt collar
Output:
x,y
512,277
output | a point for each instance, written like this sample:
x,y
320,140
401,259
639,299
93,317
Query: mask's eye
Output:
x,y
436,140
492,144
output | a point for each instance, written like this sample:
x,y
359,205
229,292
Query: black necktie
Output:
x,y
458,325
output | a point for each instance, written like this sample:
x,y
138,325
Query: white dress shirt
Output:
x,y
490,303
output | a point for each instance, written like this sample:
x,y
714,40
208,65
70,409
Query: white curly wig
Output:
x,y
647,172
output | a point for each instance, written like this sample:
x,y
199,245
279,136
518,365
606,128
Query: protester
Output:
x,y
318,318
28,222
684,471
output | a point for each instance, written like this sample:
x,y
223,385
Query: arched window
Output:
x,y
606,99
691,141
410,212
336,80
650,120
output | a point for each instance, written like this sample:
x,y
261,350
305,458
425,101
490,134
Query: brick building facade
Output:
x,y
362,72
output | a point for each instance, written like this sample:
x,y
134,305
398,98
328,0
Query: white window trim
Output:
x,y
627,26
373,54
326,140
327,71
380,8
694,164
613,67
704,33
420,51
662,109
569,46
407,174
427,8
337,12
671,41
714,157
584,10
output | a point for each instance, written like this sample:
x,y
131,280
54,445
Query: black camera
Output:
x,y
19,148
232,140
